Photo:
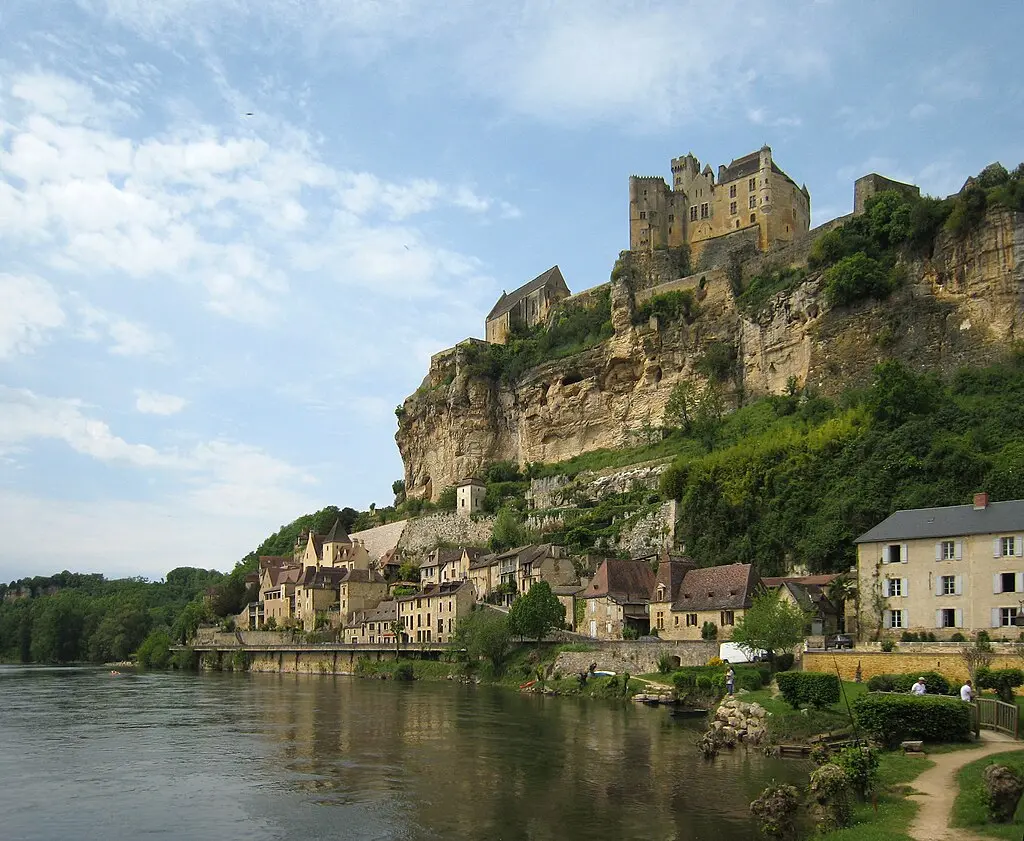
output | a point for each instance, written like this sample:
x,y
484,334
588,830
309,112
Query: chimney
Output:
x,y
980,501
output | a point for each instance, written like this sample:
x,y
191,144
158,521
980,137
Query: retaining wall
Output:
x,y
947,663
634,657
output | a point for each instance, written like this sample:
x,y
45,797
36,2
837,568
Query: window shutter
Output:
x,y
903,553
995,548
887,618
938,618
959,550
905,587
997,584
959,585
995,617
1019,581
938,555
1018,545
938,586
959,617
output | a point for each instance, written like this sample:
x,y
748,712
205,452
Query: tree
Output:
x,y
897,393
485,634
398,489
682,402
537,613
707,416
509,531
155,651
447,499
770,625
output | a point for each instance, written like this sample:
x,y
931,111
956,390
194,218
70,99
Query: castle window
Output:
x,y
643,214
693,213
732,191
732,208
671,217
752,203
753,218
737,223
704,211
752,184
645,192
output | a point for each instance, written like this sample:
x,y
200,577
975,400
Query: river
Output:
x,y
88,755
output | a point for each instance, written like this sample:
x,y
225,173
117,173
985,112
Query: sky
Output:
x,y
232,232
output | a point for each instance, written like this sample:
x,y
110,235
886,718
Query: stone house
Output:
x,y
432,614
372,626
277,593
618,597
483,575
667,581
569,597
316,592
751,193
469,496
810,594
719,595
360,589
945,570
334,549
528,305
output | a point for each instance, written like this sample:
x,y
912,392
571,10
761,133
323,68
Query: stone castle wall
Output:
x,y
637,658
425,533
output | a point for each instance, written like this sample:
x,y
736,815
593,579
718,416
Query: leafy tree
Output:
x,y
897,393
447,499
188,622
485,635
509,531
716,363
770,624
155,651
682,405
537,613
409,571
398,489
854,278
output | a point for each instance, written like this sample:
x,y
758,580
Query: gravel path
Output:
x,y
936,789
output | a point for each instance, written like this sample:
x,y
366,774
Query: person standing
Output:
x,y
730,680
967,692
919,688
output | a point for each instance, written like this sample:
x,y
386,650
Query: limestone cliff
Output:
x,y
963,305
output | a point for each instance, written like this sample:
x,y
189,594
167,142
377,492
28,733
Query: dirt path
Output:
x,y
936,789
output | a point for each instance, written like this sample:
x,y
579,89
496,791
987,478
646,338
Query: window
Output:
x,y
691,620
752,202
671,217
1007,616
1008,582
693,213
895,553
704,211
732,208
1008,546
947,586
896,619
675,621
893,587
753,218
947,550
732,191
752,184
593,605
727,618
661,621
947,618
643,214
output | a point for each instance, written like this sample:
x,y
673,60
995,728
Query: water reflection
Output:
x,y
299,757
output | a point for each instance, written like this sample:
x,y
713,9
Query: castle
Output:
x,y
752,192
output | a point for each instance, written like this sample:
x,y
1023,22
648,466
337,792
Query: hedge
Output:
x,y
935,683
993,678
713,677
820,689
891,719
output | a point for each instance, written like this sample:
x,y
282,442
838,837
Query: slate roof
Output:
x,y
337,534
322,577
446,588
474,554
746,166
819,580
729,587
509,299
621,581
670,573
365,576
490,559
386,611
950,521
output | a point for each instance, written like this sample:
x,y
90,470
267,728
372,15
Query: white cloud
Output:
x,y
126,338
156,403
760,117
30,309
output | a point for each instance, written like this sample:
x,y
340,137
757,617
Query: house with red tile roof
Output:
x,y
617,597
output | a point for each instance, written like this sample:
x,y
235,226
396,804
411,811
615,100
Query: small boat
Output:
x,y
114,672
527,685
687,712
603,674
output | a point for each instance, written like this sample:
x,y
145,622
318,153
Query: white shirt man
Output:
x,y
919,688
966,692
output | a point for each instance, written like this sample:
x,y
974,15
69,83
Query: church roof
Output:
x,y
509,299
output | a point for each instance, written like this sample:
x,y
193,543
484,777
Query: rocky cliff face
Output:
x,y
964,305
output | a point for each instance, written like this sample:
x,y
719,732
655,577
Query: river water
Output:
x,y
87,755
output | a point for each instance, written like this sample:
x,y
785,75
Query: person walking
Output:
x,y
967,692
730,680
919,688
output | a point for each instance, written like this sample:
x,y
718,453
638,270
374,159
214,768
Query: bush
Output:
x,y
670,307
888,646
891,719
958,637
1003,681
860,764
709,631
820,689
856,277
935,683
665,664
713,677
404,671
784,661
829,793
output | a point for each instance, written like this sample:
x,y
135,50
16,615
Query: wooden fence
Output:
x,y
995,715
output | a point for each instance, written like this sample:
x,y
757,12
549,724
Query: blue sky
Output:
x,y
232,233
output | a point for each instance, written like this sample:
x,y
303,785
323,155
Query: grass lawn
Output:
x,y
969,809
892,819
787,725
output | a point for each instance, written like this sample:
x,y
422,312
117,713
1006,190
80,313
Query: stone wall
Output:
x,y
634,657
711,253
424,533
652,532
215,636
949,664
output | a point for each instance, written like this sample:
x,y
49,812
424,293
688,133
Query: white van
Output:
x,y
737,654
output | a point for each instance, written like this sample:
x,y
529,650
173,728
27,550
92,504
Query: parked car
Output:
x,y
838,641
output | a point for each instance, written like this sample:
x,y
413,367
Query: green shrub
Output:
x,y
888,645
860,765
709,631
935,683
820,689
404,671
958,637
1003,681
857,277
891,719
669,307
713,677
665,664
